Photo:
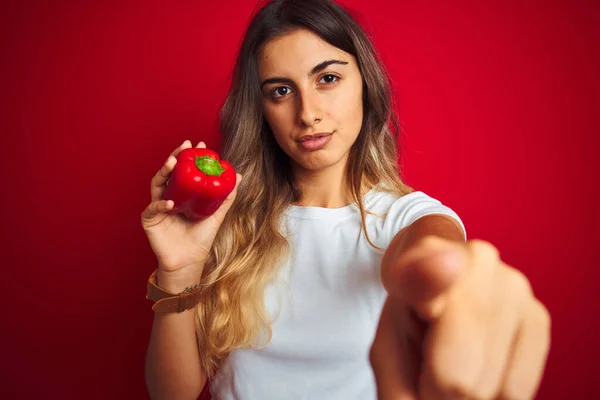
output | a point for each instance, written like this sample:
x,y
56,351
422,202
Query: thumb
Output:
x,y
423,275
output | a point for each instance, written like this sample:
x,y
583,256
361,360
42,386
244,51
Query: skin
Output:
x,y
328,101
456,315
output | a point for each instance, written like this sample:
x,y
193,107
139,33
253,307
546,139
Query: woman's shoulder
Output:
x,y
399,210
383,198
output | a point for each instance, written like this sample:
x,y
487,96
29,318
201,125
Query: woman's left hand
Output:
x,y
458,323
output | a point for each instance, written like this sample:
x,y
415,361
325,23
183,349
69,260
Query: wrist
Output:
x,y
177,281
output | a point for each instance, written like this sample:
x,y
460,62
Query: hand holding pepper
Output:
x,y
182,244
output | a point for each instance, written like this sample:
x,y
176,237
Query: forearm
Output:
x,y
173,362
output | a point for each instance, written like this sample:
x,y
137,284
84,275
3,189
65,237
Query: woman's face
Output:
x,y
311,88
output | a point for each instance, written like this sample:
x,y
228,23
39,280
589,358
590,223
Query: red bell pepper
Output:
x,y
199,183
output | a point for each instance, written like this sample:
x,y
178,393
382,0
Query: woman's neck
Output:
x,y
323,188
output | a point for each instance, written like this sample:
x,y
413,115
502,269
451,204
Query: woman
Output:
x,y
323,273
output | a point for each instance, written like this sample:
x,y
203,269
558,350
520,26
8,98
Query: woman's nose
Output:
x,y
309,109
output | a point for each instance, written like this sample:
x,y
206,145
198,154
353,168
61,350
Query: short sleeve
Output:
x,y
408,208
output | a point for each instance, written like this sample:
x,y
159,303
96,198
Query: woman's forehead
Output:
x,y
296,52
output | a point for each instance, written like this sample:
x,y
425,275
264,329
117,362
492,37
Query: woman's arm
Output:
x,y
456,303
173,362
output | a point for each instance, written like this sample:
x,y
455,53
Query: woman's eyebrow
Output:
x,y
320,67
317,68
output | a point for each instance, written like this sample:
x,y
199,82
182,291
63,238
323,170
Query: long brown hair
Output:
x,y
250,247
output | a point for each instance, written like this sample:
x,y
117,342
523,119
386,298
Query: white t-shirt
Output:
x,y
327,304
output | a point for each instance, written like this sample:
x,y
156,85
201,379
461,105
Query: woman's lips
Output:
x,y
315,144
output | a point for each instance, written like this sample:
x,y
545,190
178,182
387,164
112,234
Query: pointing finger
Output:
x,y
422,275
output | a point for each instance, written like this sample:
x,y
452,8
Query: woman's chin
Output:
x,y
317,161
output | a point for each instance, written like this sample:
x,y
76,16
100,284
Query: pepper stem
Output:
x,y
209,165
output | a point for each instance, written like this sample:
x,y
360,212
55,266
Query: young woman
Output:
x,y
323,275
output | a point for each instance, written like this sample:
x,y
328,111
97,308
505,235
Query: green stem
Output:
x,y
209,165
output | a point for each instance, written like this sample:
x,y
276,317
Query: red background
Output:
x,y
499,101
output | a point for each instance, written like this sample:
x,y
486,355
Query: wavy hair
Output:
x,y
250,247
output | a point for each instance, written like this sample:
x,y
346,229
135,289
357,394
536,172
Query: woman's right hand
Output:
x,y
181,246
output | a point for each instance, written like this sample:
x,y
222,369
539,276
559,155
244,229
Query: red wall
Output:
x,y
499,101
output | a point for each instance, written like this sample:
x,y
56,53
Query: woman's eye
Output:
x,y
329,78
280,91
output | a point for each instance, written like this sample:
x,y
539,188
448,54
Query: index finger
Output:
x,y
157,185
422,275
